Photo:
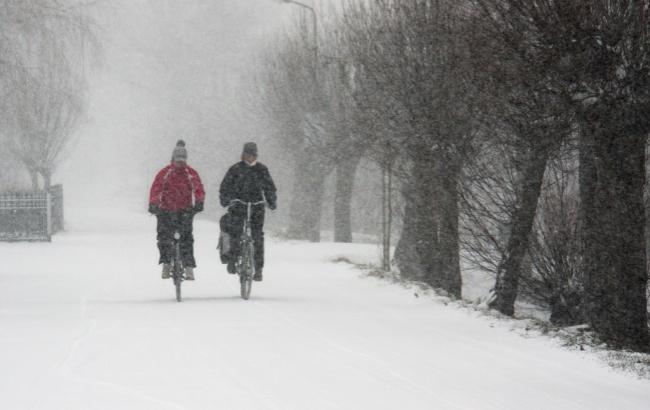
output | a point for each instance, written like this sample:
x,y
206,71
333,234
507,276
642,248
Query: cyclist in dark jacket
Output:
x,y
248,181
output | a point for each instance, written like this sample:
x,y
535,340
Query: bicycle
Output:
x,y
178,269
245,265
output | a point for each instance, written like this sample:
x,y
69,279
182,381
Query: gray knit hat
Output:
x,y
250,148
180,153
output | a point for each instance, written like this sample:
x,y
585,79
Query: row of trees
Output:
x,y
46,48
516,131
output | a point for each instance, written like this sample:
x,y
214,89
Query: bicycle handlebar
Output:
x,y
246,203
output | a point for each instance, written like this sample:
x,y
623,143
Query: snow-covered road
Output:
x,y
86,323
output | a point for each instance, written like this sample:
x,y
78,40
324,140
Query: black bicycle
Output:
x,y
245,265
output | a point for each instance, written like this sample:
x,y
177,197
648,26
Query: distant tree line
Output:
x,y
46,49
516,130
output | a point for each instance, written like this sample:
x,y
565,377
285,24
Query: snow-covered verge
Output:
x,y
86,323
530,319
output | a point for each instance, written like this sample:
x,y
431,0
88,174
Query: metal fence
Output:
x,y
31,216
56,206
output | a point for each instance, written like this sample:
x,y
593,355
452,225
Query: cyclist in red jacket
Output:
x,y
176,196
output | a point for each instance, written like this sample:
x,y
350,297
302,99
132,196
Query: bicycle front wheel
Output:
x,y
178,279
177,270
246,276
245,285
177,283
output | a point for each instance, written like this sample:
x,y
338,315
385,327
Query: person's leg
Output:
x,y
185,220
237,218
164,230
257,231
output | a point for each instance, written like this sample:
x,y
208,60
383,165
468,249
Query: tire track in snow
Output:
x,y
264,400
66,370
364,356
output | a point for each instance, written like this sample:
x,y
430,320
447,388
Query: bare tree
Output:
x,y
47,48
309,105
413,63
593,54
556,276
292,99
46,113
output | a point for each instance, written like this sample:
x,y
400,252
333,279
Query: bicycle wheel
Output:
x,y
177,284
178,274
245,284
246,275
178,267
178,279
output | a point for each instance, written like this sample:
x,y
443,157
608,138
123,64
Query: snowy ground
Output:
x,y
86,323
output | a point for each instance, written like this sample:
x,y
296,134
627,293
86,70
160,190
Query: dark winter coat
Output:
x,y
173,188
248,183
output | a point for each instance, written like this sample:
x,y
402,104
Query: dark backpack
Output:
x,y
224,237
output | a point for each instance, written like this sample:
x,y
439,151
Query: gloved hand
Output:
x,y
198,207
153,209
272,206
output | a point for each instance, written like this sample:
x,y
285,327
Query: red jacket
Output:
x,y
173,188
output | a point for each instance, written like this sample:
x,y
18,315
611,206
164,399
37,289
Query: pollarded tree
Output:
x,y
521,119
594,55
292,99
414,62
309,105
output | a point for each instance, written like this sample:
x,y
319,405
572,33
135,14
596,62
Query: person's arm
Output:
x,y
226,190
155,193
268,186
199,192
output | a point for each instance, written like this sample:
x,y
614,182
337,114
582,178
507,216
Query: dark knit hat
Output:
x,y
250,148
180,153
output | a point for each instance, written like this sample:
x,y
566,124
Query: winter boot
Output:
x,y
166,270
189,273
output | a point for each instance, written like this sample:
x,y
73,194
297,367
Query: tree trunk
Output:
x,y
586,211
425,180
345,174
614,230
417,249
386,214
507,284
406,255
429,246
449,242
47,180
33,175
307,198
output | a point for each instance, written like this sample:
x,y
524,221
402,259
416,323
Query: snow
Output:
x,y
87,323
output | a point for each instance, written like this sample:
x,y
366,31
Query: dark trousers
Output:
x,y
237,216
181,222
